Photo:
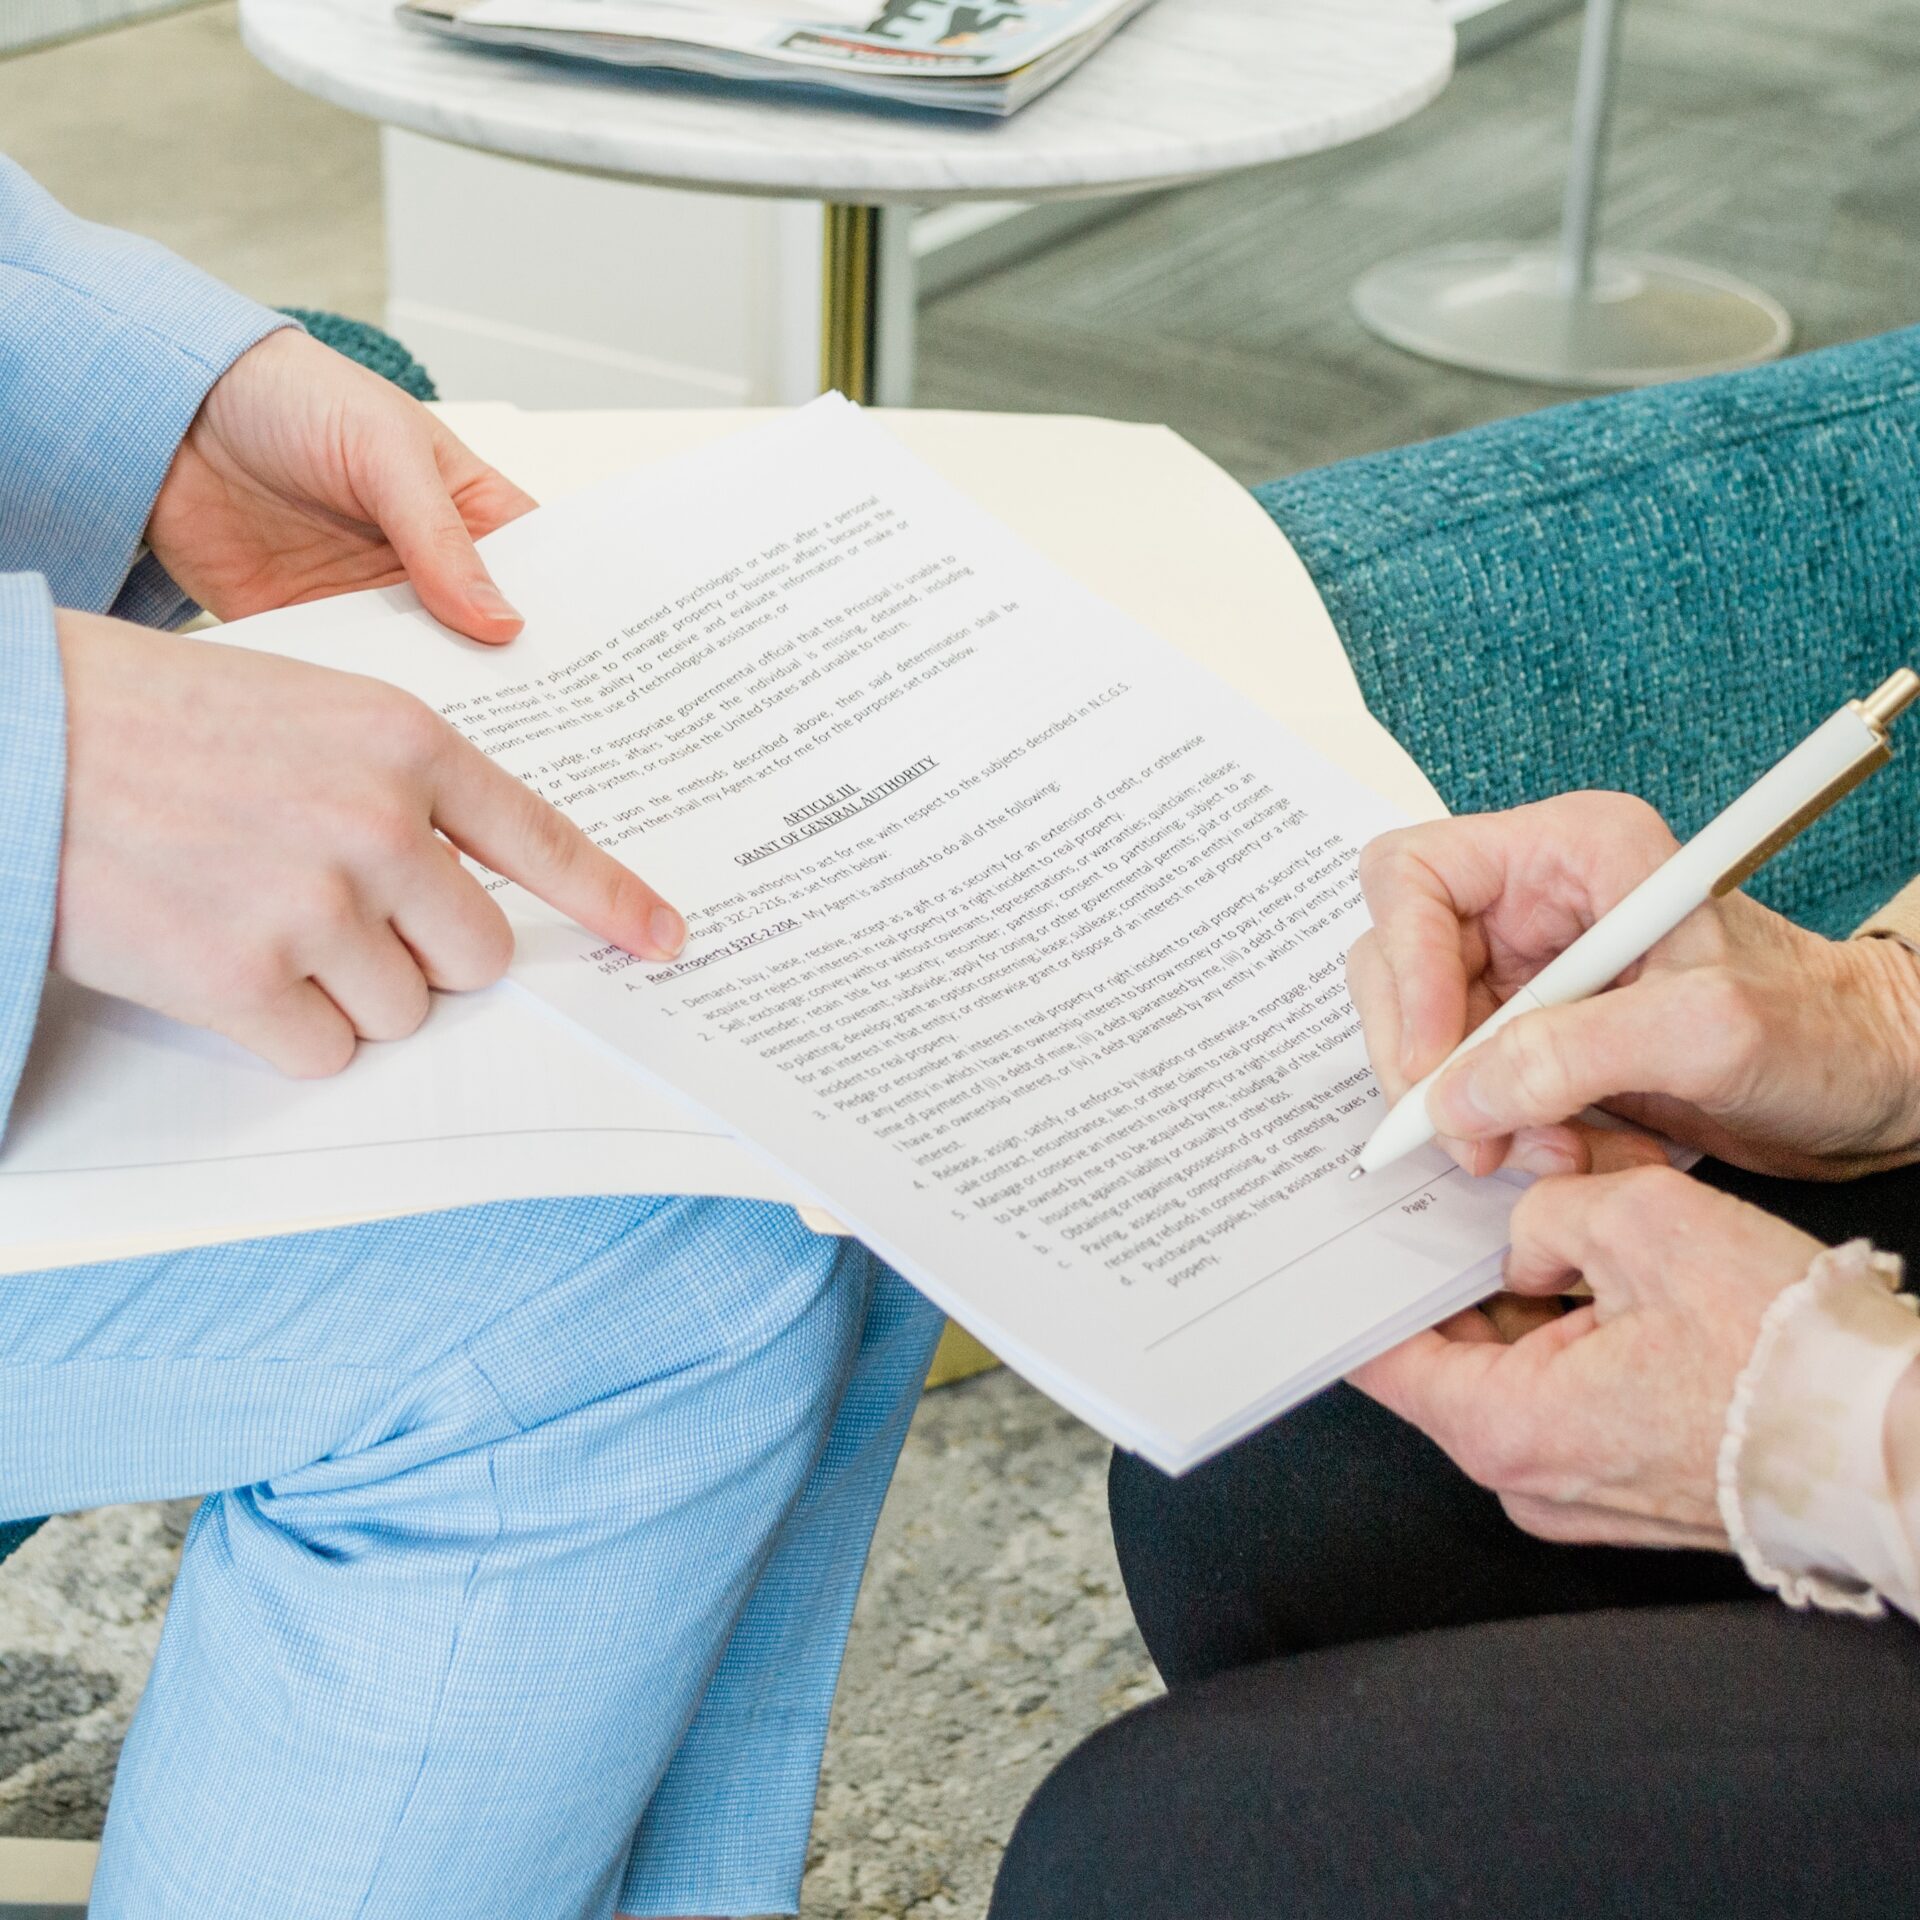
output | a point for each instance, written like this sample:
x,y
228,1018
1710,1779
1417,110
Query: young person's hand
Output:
x,y
268,848
1740,1033
305,475
1603,1424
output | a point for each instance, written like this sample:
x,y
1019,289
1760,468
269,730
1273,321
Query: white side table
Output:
x,y
1190,89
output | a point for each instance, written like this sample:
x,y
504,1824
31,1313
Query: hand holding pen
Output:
x,y
1730,1028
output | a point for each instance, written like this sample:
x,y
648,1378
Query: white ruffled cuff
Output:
x,y
1806,1489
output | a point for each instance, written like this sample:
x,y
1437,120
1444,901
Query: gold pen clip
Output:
x,y
1885,704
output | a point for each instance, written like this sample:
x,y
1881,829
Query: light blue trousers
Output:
x,y
533,1537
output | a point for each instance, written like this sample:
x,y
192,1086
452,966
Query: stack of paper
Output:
x,y
1016,935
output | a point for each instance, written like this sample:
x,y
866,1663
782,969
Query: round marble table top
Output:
x,y
1190,88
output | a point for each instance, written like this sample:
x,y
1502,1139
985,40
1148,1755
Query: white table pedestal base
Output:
x,y
1641,318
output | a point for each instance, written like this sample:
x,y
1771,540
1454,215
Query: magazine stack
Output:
x,y
973,56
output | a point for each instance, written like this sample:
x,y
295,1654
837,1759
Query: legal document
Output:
x,y
1016,938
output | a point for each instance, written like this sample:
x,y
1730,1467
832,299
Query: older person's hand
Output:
x,y
1740,1033
305,475
1603,1424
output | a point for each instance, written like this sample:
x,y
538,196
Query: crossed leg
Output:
x,y
512,1517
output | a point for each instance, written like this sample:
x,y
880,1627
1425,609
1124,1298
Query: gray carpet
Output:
x,y
80,1611
992,1634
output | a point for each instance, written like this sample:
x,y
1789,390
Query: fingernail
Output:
x,y
485,598
1542,1157
667,931
1455,1106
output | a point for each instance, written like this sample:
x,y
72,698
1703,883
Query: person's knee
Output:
x,y
1242,1797
1058,1865
698,1291
706,1336
1144,1820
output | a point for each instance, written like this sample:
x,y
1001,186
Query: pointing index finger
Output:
x,y
486,812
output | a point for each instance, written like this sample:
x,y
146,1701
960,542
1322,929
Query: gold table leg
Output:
x,y
960,1357
850,301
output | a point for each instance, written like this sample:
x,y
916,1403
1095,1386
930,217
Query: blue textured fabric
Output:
x,y
108,344
533,1538
1659,592
33,760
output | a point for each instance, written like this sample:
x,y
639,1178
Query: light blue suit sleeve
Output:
x,y
33,756
108,344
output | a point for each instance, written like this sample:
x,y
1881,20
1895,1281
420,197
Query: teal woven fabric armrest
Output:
x,y
372,348
1659,592
385,355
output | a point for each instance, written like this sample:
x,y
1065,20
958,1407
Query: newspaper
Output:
x,y
977,56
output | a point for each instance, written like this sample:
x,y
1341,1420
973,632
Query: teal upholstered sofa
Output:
x,y
1659,591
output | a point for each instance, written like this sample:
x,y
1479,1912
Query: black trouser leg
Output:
x,y
1727,1762
1343,1523
1463,1720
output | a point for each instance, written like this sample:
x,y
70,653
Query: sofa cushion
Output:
x,y
1659,591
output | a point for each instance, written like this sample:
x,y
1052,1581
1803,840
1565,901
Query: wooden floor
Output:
x,y
1778,139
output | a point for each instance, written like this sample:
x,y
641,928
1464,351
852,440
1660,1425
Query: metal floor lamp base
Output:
x,y
1571,316
1643,318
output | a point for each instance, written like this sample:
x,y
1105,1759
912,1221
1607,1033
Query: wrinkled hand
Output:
x,y
304,475
1603,1424
1740,1033
268,848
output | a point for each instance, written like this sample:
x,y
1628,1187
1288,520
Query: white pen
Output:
x,y
1734,845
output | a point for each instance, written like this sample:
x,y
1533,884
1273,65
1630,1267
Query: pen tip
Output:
x,y
1359,1173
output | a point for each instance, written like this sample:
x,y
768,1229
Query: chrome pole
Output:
x,y
1592,116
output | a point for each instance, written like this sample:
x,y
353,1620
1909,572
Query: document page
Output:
x,y
1015,938
132,1134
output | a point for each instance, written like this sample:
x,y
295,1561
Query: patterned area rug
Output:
x,y
80,1611
992,1635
